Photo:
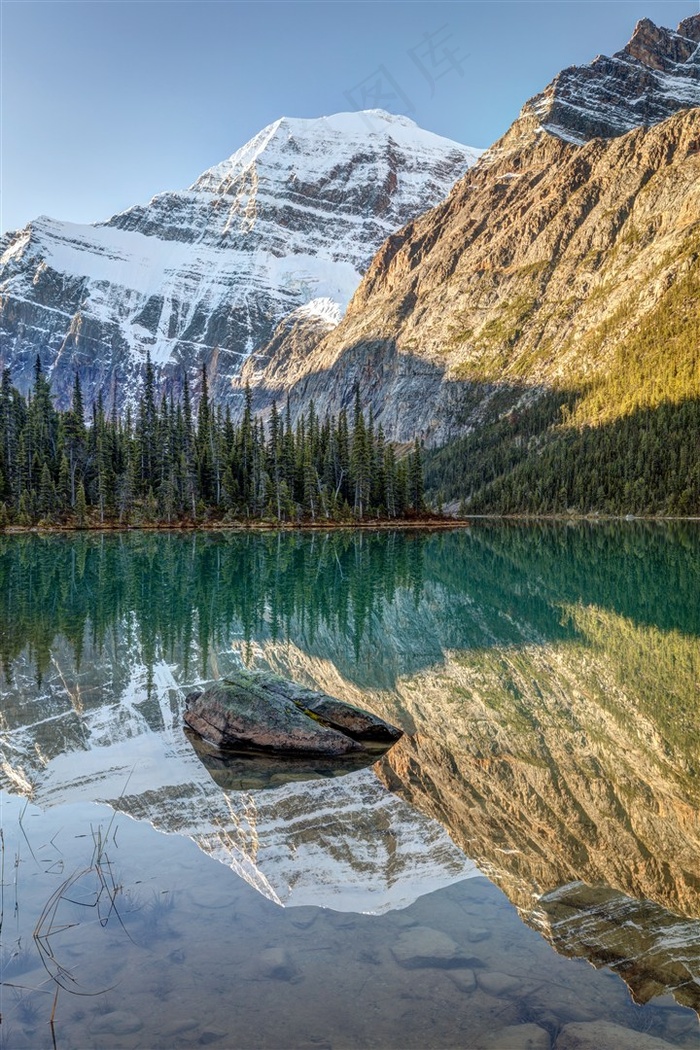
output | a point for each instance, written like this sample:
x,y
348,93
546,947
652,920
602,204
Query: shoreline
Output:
x,y
427,523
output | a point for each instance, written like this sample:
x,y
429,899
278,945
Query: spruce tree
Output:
x,y
80,506
162,467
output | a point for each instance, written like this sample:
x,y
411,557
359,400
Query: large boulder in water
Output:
x,y
353,721
263,712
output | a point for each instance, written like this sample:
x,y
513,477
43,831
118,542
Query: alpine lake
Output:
x,y
521,870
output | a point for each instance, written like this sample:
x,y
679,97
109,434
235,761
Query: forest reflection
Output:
x,y
183,593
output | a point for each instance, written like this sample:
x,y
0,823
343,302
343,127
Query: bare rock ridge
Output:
x,y
544,259
204,275
654,76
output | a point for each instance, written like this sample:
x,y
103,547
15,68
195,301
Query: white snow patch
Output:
x,y
326,310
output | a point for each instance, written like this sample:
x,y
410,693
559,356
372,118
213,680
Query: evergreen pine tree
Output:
x,y
80,506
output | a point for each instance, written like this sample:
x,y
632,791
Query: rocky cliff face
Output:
x,y
654,76
204,275
542,261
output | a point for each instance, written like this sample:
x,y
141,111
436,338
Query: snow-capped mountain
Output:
x,y
654,76
204,275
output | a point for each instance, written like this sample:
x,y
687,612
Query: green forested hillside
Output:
x,y
622,436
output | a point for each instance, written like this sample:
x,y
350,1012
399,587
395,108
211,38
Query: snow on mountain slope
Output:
x,y
656,74
204,275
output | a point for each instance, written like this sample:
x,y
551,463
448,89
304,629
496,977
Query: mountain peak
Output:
x,y
308,146
690,28
663,49
655,75
206,274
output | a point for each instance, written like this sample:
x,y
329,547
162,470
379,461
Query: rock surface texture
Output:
x,y
422,946
654,76
603,1035
204,275
266,713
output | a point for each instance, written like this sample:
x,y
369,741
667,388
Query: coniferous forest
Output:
x,y
165,464
623,439
531,462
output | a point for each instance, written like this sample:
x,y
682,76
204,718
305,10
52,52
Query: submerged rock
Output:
x,y
477,933
601,1035
516,1037
117,1022
263,712
464,979
422,946
277,964
497,984
212,1035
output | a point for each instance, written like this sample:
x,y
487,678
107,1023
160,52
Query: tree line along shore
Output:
x,y
163,463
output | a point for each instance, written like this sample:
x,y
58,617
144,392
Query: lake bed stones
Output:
x,y
516,1037
422,946
477,933
277,964
601,1035
464,979
117,1022
498,984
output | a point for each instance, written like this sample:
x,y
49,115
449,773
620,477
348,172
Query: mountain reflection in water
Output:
x,y
547,676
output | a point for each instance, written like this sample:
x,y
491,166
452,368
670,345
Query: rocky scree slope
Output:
x,y
204,275
550,255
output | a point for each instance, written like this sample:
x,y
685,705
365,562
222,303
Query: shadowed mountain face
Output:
x,y
546,678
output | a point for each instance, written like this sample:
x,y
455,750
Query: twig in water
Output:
x,y
53,1017
2,877
20,821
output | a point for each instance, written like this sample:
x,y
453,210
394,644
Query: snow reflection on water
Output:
x,y
154,945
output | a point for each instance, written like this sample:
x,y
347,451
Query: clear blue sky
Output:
x,y
107,102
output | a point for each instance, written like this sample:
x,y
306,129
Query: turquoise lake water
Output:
x,y
521,869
